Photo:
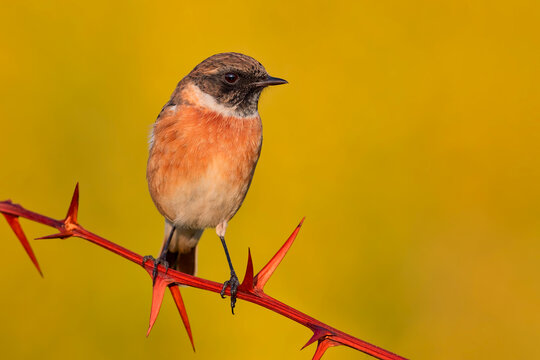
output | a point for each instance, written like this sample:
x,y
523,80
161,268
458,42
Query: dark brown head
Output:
x,y
234,81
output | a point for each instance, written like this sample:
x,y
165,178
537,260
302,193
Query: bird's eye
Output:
x,y
231,78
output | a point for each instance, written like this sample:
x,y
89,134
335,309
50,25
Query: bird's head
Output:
x,y
230,82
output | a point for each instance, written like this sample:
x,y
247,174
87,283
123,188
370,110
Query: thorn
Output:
x,y
264,275
247,283
177,297
55,236
318,334
71,216
323,345
13,221
157,298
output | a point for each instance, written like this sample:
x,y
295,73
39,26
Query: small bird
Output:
x,y
204,147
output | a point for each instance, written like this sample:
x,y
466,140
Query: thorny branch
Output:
x,y
251,289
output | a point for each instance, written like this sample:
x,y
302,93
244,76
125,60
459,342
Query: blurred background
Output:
x,y
408,136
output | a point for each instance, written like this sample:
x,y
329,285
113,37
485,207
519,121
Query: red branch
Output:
x,y
251,289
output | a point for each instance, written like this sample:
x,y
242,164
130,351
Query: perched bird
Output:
x,y
204,147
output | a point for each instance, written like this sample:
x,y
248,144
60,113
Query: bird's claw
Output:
x,y
233,283
157,262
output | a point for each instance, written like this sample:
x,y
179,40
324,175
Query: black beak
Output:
x,y
270,80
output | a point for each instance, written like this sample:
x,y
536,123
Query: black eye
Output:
x,y
231,78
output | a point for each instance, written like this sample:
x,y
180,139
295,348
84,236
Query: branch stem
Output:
x,y
326,335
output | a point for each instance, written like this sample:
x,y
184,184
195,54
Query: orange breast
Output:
x,y
201,164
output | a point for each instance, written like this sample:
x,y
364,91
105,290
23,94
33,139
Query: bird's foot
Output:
x,y
159,261
233,283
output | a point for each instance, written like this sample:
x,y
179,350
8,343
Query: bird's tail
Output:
x,y
182,254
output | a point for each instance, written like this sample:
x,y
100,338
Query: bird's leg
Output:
x,y
162,257
233,282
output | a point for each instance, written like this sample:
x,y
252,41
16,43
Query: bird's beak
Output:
x,y
270,80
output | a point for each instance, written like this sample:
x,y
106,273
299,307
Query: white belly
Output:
x,y
209,200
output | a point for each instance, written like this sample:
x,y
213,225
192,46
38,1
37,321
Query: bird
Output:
x,y
204,147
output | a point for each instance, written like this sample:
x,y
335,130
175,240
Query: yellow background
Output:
x,y
408,135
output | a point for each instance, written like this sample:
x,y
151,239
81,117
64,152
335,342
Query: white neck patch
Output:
x,y
207,101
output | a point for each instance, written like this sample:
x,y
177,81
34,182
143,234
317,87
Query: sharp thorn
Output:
x,y
266,272
13,222
158,291
177,297
247,283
